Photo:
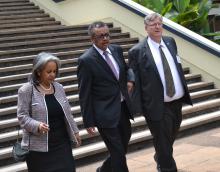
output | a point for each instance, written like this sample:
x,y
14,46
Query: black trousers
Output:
x,y
116,140
164,133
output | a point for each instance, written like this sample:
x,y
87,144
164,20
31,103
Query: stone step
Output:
x,y
68,72
49,41
60,48
20,8
195,95
8,65
12,122
13,82
23,16
45,29
66,57
16,4
13,1
96,148
200,85
29,24
76,109
12,89
16,78
22,12
26,20
61,34
138,122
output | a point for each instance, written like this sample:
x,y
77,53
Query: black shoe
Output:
x,y
156,160
98,169
158,168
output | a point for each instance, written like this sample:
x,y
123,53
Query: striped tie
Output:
x,y
170,88
108,60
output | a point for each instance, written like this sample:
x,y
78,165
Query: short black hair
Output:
x,y
96,24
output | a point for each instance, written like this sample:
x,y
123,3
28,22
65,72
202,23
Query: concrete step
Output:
x,y
138,122
26,20
96,148
76,109
45,29
195,95
12,89
16,4
21,12
59,48
192,86
19,8
53,41
29,24
20,77
68,72
13,1
66,57
200,85
23,16
13,122
61,34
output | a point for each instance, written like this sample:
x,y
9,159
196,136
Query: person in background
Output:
x,y
104,81
160,89
45,116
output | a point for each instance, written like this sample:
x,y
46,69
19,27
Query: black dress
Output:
x,y
59,156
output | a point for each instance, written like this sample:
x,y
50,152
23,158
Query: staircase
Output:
x,y
26,30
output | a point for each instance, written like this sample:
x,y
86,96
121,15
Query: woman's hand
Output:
x,y
78,140
43,128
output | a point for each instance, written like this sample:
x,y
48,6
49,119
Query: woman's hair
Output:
x,y
38,65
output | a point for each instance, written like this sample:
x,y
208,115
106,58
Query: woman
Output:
x,y
44,114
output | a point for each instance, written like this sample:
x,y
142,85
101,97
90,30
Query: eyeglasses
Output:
x,y
156,24
103,36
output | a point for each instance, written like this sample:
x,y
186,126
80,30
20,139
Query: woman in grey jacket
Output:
x,y
44,114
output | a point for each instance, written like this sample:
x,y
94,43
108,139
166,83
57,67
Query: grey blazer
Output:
x,y
39,142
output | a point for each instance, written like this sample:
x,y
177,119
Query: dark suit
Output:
x,y
148,98
101,106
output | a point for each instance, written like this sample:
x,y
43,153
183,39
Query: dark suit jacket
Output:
x,y
100,91
148,95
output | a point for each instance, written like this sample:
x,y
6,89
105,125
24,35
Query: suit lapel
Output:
x,y
102,62
148,55
171,49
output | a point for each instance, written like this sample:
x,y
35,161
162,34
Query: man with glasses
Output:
x,y
160,89
104,82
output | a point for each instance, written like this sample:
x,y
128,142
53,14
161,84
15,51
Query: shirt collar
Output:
x,y
155,44
101,51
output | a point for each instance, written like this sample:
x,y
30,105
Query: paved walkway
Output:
x,y
195,153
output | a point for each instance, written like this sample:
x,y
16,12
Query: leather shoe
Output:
x,y
158,165
98,169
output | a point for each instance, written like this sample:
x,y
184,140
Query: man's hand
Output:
x,y
91,131
130,86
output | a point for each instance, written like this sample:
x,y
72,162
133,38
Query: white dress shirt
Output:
x,y
154,47
110,56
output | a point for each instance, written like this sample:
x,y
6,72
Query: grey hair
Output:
x,y
152,17
94,25
38,64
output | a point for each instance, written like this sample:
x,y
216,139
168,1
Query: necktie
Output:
x,y
108,60
170,88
